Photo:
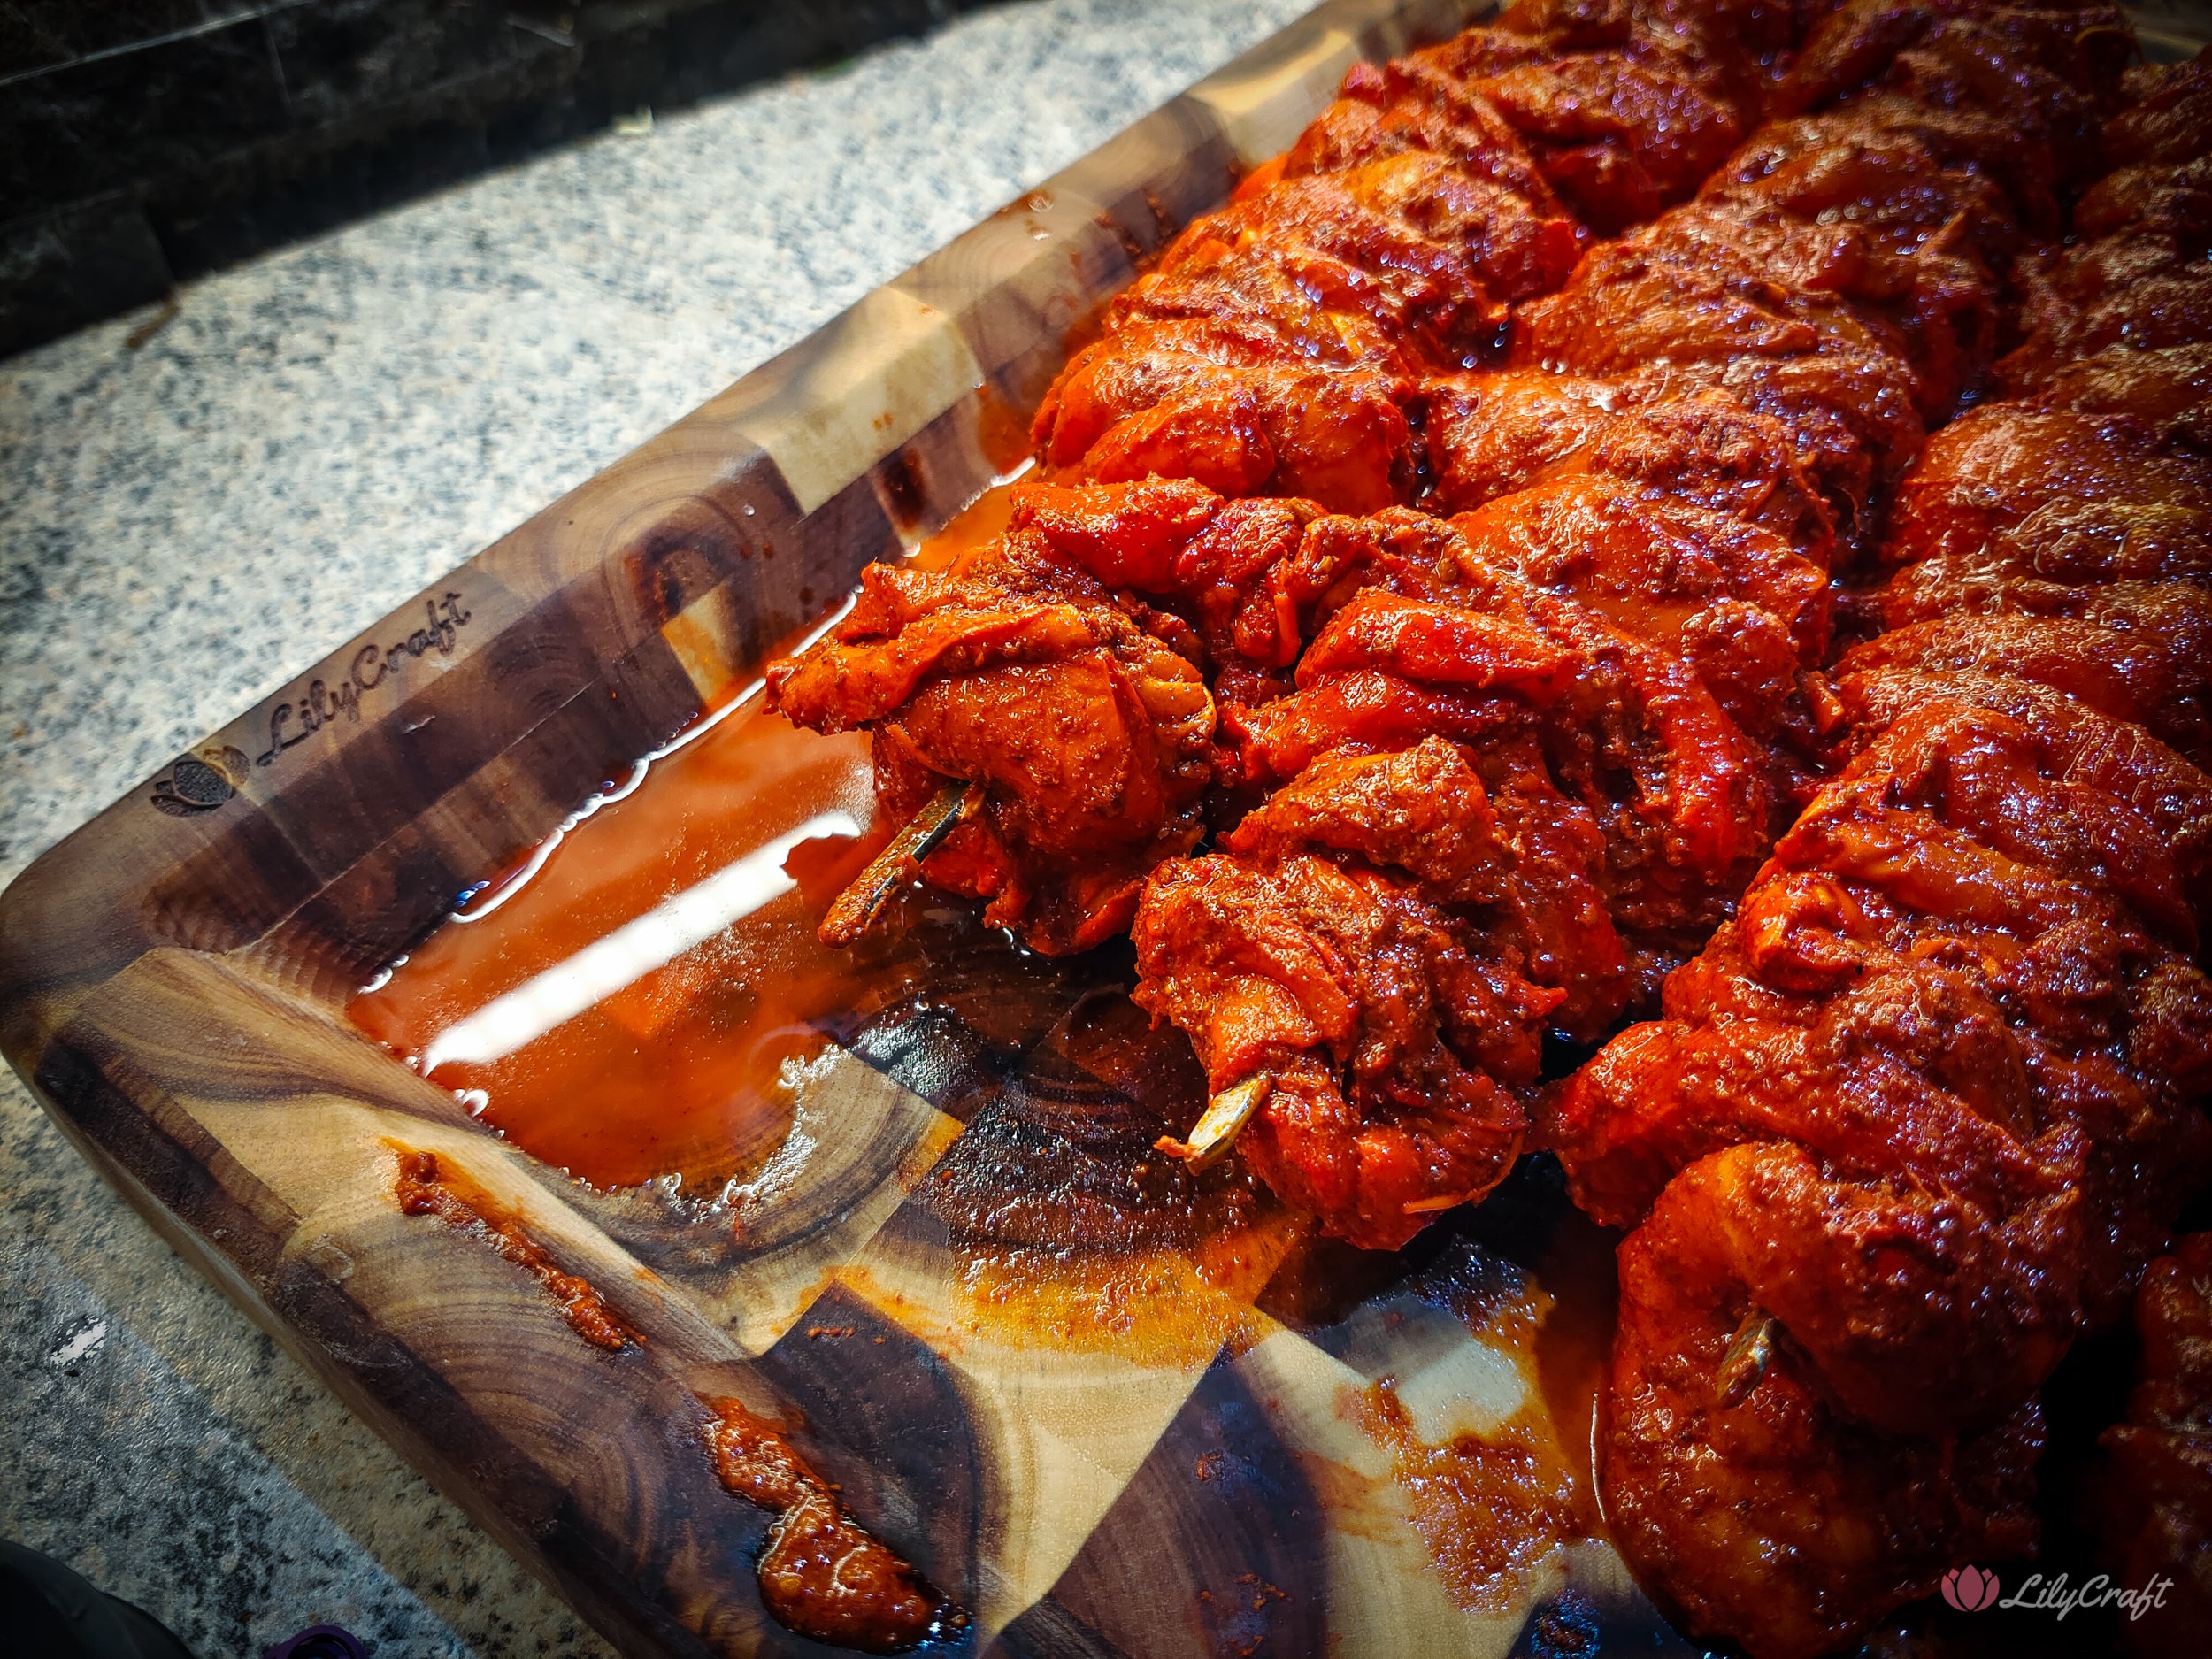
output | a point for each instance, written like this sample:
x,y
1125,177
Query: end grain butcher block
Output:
x,y
1081,1403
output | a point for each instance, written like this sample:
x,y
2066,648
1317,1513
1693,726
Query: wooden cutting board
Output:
x,y
1105,1411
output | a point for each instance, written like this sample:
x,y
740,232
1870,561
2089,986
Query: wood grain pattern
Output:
x,y
1152,1448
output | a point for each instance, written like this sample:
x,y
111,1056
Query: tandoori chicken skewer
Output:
x,y
1676,550
1924,1110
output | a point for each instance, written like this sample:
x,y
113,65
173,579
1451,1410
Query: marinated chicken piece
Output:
x,y
1405,254
2131,274
1513,854
2080,745
1618,108
1847,1074
1956,842
1326,949
2167,115
2006,464
1258,579
1965,1289
1296,972
1617,139
2129,674
1629,729
2173,1318
1686,290
2154,1494
1491,434
1847,47
2177,615
1961,139
2134,273
2054,510
2168,391
1680,792
1419,105
1231,409
2115,563
1736,49
1745,1499
1406,628
1399,551
2141,292
1851,416
1876,218
1667,319
2054,69
1014,669
1948,770
1215,561
1916,289
1729,598
2151,198
1369,711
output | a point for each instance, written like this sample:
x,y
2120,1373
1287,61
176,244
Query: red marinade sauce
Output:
x,y
663,1064
821,1575
424,1188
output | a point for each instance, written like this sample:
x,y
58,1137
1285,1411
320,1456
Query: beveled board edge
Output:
x,y
170,972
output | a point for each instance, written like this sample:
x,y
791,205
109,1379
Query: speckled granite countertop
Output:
x,y
188,524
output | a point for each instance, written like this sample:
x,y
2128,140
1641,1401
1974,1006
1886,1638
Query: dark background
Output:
x,y
143,143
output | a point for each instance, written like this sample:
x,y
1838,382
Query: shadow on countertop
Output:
x,y
52,1611
144,142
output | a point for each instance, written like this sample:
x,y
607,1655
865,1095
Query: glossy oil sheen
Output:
x,y
672,1062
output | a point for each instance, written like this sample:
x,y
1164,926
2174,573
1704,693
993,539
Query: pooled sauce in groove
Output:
x,y
424,1188
821,1575
626,1002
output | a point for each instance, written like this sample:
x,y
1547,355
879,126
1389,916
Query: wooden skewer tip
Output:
x,y
1218,1126
859,905
1745,1360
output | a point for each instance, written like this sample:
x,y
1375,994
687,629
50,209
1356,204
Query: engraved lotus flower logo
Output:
x,y
202,782
1970,1588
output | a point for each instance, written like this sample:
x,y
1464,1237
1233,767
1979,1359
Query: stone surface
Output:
x,y
186,524
227,129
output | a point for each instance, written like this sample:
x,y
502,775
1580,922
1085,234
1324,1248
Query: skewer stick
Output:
x,y
1218,1126
1436,1205
859,904
1745,1360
